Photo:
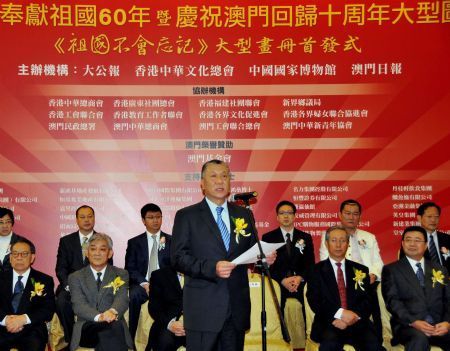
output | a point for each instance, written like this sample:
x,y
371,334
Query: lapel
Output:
x,y
143,243
161,252
108,278
409,275
174,281
207,217
91,282
233,214
8,287
428,281
77,249
331,281
5,261
349,282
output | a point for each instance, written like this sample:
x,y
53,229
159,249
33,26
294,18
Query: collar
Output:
x,y
83,236
213,206
25,276
414,262
333,263
94,272
150,235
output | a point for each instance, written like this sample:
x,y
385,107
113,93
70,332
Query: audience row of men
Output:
x,y
199,298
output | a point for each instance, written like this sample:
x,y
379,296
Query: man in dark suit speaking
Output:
x,y
206,237
416,291
339,294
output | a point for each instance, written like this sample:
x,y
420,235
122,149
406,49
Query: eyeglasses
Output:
x,y
151,218
6,222
23,254
282,213
414,241
340,241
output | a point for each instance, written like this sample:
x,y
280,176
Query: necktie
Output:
x,y
433,251
288,245
99,280
84,247
17,294
420,275
341,286
223,228
153,261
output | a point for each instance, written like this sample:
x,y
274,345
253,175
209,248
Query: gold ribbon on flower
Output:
x,y
240,225
115,284
359,279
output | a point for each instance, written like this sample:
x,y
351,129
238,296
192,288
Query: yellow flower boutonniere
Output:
x,y
438,277
240,225
38,289
115,284
359,277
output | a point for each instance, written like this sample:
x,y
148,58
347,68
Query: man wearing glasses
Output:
x,y
146,253
27,301
293,259
7,237
416,292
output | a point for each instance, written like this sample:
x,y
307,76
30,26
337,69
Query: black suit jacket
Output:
x,y
39,309
323,295
70,258
165,299
136,257
443,242
6,265
300,262
197,246
407,301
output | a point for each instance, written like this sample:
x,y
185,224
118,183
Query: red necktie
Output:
x,y
341,286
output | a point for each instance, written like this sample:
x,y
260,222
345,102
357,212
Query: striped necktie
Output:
x,y
223,228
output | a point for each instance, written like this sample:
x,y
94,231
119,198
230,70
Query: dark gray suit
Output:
x,y
407,301
88,302
197,245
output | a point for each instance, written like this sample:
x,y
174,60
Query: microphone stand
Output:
x,y
264,269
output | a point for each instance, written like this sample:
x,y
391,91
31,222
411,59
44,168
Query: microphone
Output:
x,y
243,196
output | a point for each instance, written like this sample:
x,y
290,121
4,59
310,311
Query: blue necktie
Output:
x,y
223,228
420,275
17,294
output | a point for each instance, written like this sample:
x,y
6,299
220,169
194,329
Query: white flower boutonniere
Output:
x,y
359,279
362,243
38,289
115,284
162,243
300,245
438,277
240,225
445,252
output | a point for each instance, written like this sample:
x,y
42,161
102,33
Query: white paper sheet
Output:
x,y
251,255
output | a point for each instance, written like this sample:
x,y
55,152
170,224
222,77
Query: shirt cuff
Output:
x,y
144,283
28,319
3,322
338,314
170,323
96,318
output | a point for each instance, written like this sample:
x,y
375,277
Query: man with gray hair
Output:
x,y
338,293
99,295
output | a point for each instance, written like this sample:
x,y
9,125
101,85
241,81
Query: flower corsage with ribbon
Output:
x,y
38,289
162,243
438,277
359,279
445,252
240,227
115,284
362,243
300,245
